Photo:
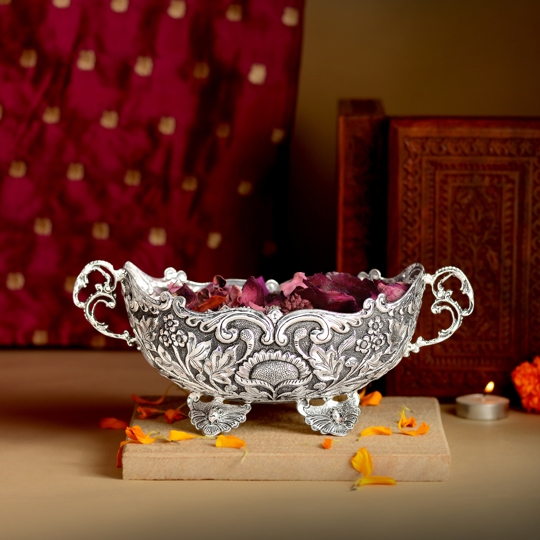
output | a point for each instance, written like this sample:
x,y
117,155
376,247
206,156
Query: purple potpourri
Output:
x,y
335,291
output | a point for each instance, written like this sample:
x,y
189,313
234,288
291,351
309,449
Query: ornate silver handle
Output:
x,y
444,301
104,294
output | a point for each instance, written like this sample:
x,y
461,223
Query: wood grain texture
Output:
x,y
361,236
466,192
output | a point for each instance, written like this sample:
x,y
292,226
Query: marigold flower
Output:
x,y
363,463
526,379
375,430
172,415
230,441
112,423
327,444
411,422
148,412
371,399
175,435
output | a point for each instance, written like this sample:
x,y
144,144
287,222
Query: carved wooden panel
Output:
x,y
466,192
362,182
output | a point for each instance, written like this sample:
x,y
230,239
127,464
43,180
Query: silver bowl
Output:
x,y
240,356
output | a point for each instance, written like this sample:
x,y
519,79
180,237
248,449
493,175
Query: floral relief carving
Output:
x,y
480,208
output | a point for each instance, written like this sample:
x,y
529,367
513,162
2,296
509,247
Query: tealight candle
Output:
x,y
482,406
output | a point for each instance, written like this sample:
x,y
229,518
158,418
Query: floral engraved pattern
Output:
x,y
165,337
145,330
179,338
375,326
332,418
221,365
274,374
216,417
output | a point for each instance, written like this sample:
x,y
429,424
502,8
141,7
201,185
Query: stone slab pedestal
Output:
x,y
281,446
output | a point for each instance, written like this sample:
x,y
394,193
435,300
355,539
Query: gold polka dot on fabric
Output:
x,y
144,66
17,169
28,58
201,70
15,281
244,188
51,115
40,337
190,183
86,60
177,9
5,2
290,16
223,131
257,74
277,135
167,125
157,236
98,342
43,226
100,231
61,3
119,6
109,119
132,177
214,240
234,13
69,284
75,172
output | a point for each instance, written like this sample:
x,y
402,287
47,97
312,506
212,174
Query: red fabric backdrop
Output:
x,y
141,130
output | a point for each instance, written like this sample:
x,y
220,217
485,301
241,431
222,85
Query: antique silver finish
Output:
x,y
246,356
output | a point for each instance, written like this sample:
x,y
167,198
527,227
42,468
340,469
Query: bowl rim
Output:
x,y
410,274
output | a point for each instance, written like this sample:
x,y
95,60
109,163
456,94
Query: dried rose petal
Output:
x,y
288,287
328,300
254,292
295,302
186,292
393,291
214,302
219,281
360,289
234,296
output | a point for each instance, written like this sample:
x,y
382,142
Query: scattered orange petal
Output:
x,y
367,480
119,453
148,412
159,401
229,441
371,399
135,433
112,423
422,430
327,444
175,435
172,415
406,422
375,430
362,462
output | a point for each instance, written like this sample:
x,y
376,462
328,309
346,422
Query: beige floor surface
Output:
x,y
58,478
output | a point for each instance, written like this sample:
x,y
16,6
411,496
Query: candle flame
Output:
x,y
489,387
